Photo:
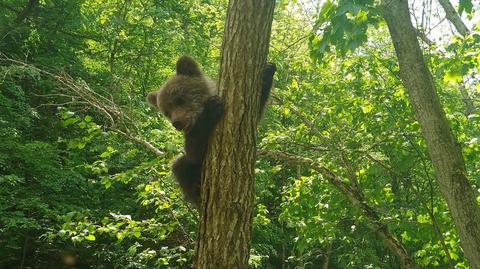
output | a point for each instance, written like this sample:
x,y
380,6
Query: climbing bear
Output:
x,y
190,102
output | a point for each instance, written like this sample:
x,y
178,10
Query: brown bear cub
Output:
x,y
190,102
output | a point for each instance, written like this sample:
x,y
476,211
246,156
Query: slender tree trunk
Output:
x,y
446,157
24,251
326,257
453,17
227,183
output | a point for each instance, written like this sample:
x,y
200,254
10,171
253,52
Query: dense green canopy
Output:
x,y
85,163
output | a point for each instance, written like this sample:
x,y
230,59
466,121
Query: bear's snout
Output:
x,y
178,125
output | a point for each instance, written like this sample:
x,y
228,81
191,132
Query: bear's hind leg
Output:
x,y
188,175
267,81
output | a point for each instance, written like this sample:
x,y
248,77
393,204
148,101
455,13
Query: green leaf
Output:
x,y
453,76
106,182
120,236
367,108
69,121
107,153
132,251
405,236
465,5
423,219
326,11
90,237
148,187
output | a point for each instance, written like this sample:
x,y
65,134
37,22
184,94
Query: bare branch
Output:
x,y
77,92
140,141
424,37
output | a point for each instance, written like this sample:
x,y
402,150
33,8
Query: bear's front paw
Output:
x,y
269,69
215,107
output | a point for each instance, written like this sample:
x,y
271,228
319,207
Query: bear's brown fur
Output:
x,y
190,102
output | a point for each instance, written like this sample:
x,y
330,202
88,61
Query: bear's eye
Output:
x,y
167,114
179,101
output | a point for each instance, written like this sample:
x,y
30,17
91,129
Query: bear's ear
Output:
x,y
152,99
187,66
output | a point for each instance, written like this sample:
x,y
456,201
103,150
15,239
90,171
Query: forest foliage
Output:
x,y
84,161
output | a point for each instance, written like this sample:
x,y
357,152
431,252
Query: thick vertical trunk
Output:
x,y
227,183
446,157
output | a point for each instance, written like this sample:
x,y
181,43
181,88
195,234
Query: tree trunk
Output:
x,y
453,17
326,257
446,157
227,182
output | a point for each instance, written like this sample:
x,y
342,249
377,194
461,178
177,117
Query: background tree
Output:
x,y
446,156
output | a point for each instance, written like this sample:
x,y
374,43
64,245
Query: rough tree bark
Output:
x,y
446,156
227,182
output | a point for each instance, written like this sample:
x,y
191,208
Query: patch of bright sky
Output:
x,y
428,15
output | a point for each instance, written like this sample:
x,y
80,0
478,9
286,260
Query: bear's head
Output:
x,y
181,99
